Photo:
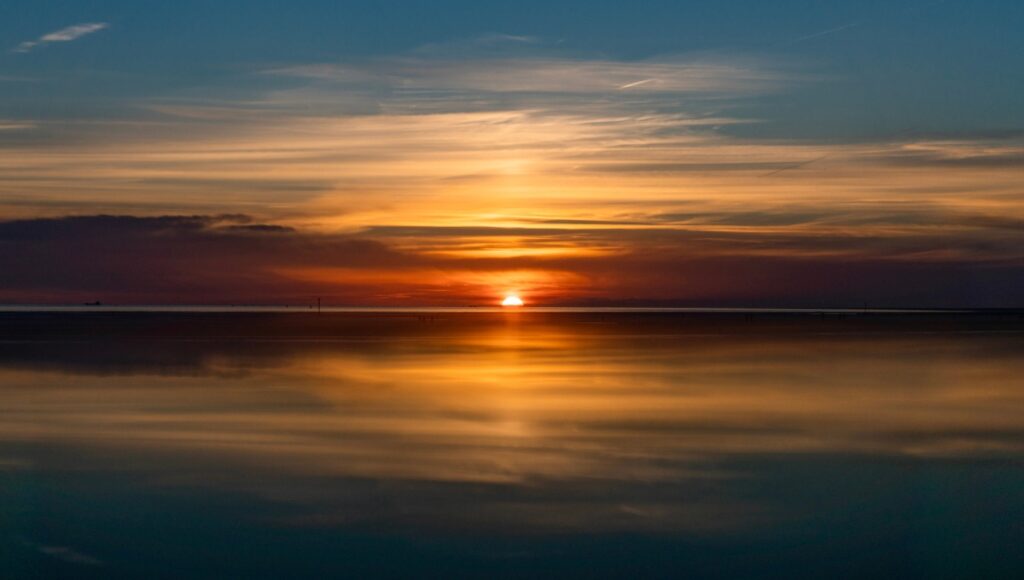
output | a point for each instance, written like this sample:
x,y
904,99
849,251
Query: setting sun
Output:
x,y
512,300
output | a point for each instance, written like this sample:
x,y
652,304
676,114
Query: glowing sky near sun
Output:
x,y
693,152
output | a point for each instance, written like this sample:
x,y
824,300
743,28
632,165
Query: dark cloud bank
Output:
x,y
230,259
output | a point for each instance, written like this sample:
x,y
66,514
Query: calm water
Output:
x,y
498,444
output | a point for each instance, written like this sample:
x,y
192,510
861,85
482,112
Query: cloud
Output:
x,y
63,35
537,74
174,258
745,260
340,139
8,125
979,153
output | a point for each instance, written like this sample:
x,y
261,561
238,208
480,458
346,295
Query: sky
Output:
x,y
794,153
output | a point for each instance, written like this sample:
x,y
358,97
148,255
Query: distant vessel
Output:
x,y
97,303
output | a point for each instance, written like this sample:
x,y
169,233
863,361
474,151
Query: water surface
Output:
x,y
561,444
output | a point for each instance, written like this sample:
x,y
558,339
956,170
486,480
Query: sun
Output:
x,y
512,301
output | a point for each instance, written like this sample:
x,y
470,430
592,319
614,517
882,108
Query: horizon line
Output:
x,y
312,308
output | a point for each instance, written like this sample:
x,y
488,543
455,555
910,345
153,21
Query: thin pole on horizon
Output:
x,y
318,305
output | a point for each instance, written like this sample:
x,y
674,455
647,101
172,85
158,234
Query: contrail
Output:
x,y
907,12
63,35
637,84
824,33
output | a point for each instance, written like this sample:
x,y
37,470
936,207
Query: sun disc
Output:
x,y
512,300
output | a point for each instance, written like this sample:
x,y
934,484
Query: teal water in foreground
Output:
x,y
497,444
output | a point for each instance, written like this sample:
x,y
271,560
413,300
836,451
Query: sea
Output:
x,y
259,442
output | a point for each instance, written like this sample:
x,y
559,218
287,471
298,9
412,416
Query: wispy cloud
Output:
x,y
7,125
68,34
822,33
551,75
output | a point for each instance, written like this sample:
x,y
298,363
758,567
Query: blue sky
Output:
x,y
885,67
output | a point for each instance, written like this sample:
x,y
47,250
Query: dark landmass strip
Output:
x,y
257,326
